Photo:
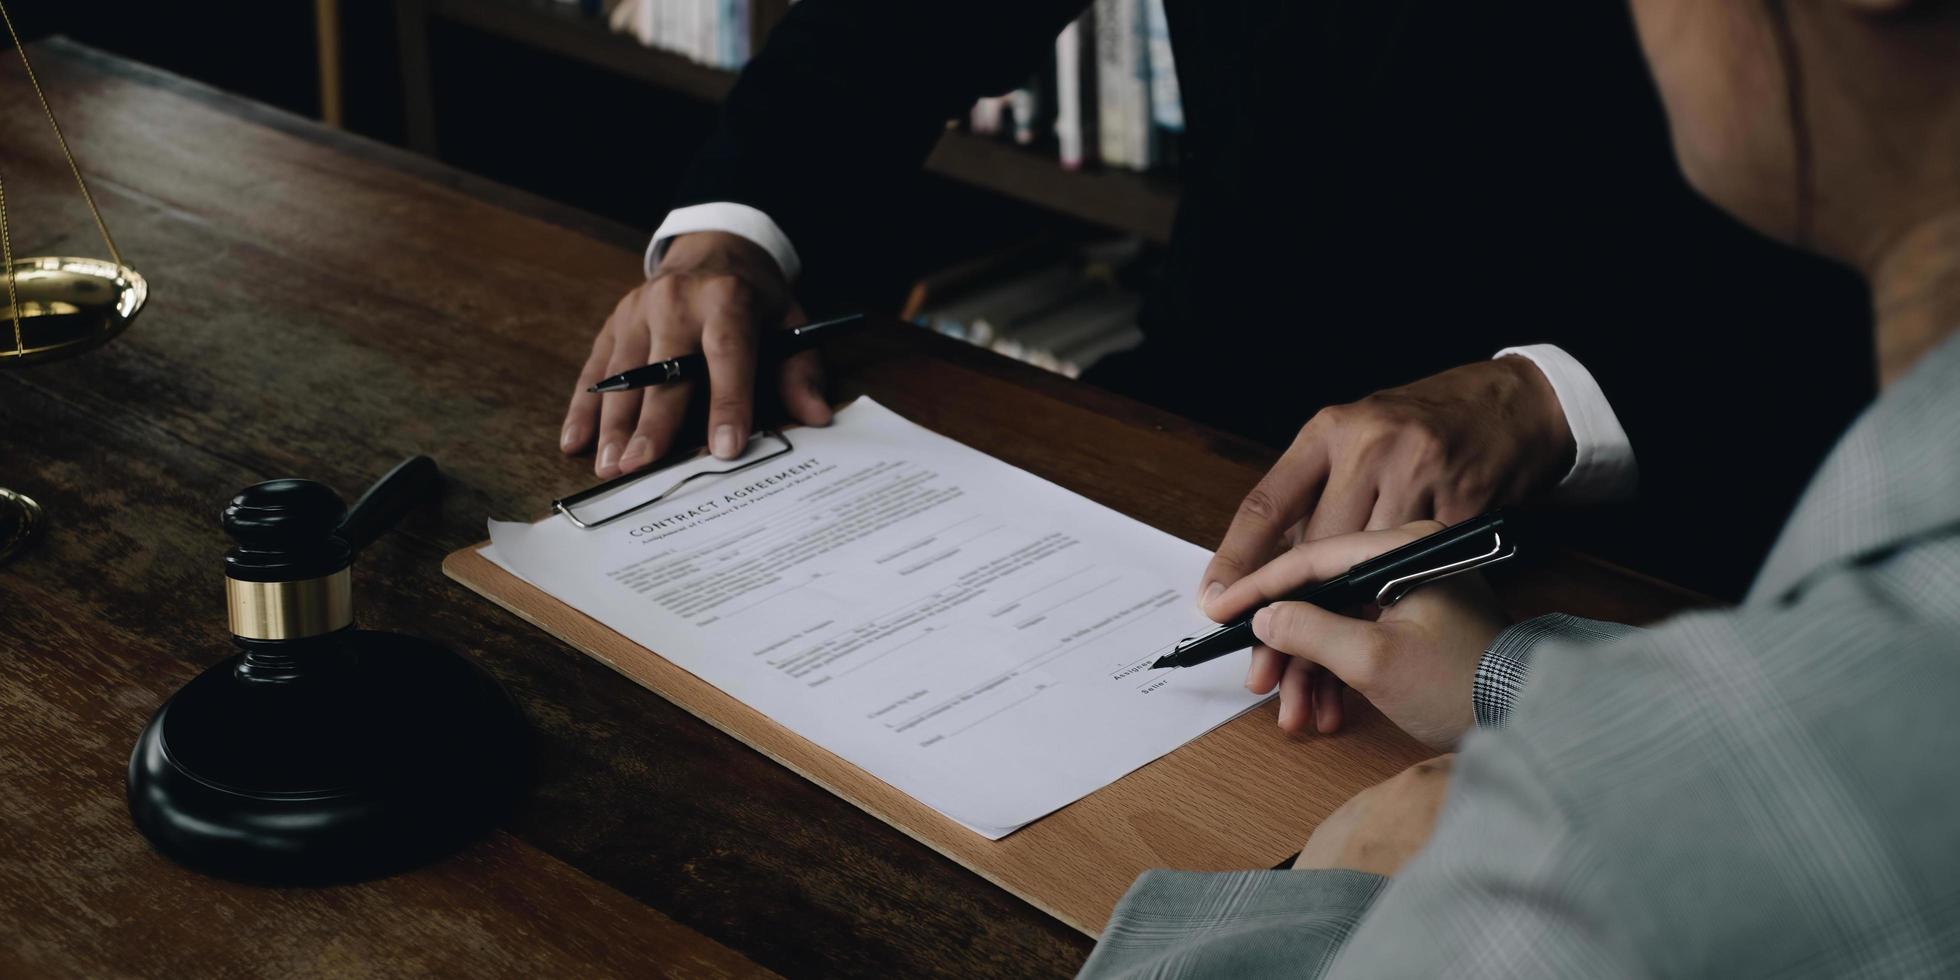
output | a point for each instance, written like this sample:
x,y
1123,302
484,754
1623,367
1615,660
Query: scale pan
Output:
x,y
67,305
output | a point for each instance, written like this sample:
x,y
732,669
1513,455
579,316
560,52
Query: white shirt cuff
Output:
x,y
1603,467
735,219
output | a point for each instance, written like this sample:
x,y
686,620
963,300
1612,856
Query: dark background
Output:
x,y
529,118
617,147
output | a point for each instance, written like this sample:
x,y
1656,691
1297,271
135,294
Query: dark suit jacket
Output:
x,y
1373,190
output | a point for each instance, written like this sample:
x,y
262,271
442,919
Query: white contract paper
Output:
x,y
967,632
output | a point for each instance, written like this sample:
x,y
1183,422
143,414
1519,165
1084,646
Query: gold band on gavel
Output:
x,y
290,610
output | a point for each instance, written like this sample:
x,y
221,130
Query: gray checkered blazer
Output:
x,y
1772,790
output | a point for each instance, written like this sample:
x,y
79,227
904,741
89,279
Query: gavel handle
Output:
x,y
394,495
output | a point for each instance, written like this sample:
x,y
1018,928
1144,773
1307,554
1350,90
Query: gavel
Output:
x,y
320,752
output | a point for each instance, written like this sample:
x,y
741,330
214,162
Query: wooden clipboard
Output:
x,y
1243,796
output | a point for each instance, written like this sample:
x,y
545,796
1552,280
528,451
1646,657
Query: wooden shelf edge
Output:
x,y
1123,200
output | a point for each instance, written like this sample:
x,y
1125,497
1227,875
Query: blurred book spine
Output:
x,y
1123,84
1059,308
710,32
1073,126
1166,102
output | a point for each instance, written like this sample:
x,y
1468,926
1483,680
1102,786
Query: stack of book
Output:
x,y
710,32
1109,95
1059,309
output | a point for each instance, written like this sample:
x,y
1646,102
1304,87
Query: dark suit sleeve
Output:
x,y
829,124
1732,362
1728,405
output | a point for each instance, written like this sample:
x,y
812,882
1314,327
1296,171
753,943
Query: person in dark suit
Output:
x,y
1374,191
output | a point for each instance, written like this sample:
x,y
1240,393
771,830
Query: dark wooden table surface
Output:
x,y
322,307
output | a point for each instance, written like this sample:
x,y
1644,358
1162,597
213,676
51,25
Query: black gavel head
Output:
x,y
286,530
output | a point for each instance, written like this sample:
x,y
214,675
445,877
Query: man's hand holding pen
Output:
x,y
714,293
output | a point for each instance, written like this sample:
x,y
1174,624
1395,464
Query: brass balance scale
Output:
x,y
57,306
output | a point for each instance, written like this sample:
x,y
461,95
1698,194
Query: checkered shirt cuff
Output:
x,y
1506,665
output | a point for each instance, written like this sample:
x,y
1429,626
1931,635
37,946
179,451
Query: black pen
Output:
x,y
776,345
1382,580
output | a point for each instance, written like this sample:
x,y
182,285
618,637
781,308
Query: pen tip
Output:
x,y
1161,663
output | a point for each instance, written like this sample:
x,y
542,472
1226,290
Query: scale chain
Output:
x,y
95,212
7,257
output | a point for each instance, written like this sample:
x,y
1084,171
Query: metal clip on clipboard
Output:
x,y
565,505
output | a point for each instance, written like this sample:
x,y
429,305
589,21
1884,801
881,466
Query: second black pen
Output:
x,y
1383,580
691,367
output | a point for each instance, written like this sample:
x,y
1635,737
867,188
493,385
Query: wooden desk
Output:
x,y
323,306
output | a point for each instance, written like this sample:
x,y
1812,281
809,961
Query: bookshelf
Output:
x,y
1125,201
